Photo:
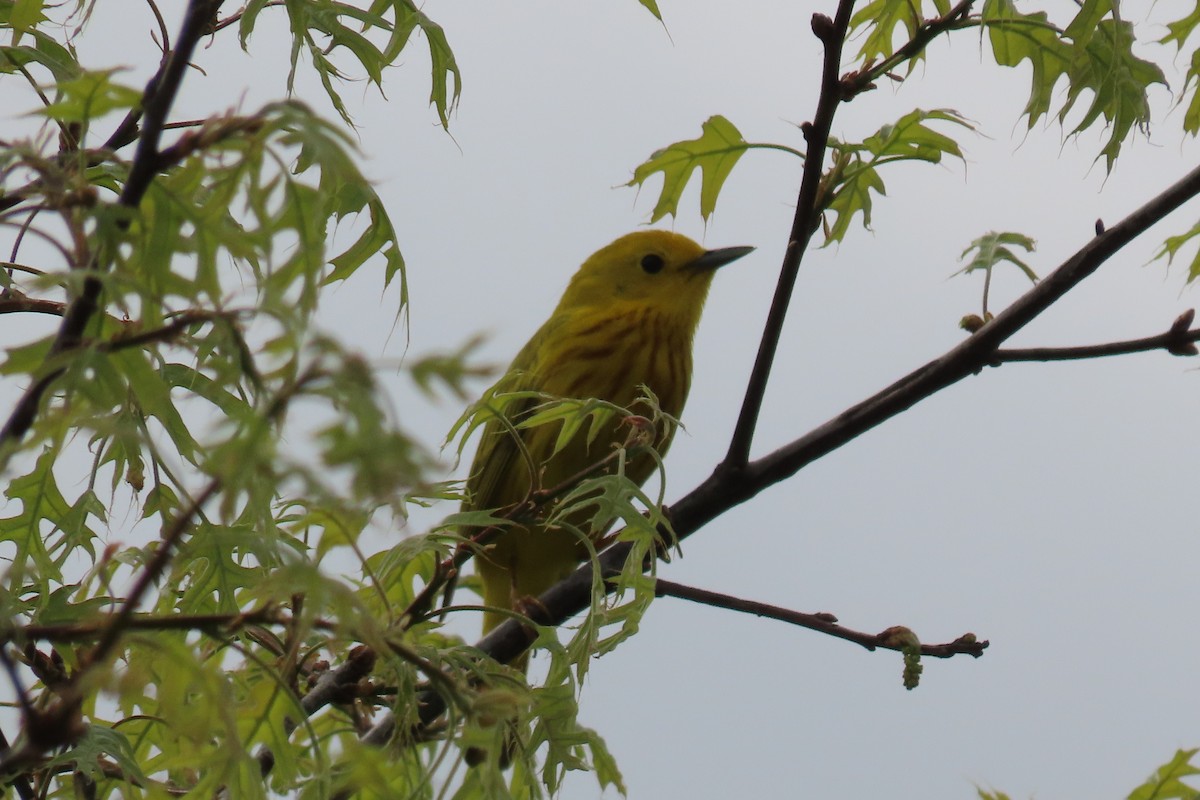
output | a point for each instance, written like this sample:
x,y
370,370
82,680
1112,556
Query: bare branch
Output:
x,y
832,34
1178,341
223,623
17,303
821,622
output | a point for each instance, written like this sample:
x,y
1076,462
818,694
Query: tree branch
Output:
x,y
159,95
155,566
925,34
832,34
727,488
20,783
166,333
225,623
834,90
1178,341
16,303
821,622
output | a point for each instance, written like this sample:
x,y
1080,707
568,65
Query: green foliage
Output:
x,y
1166,783
320,28
652,7
995,248
855,173
878,21
1174,244
1093,53
256,452
714,153
1178,32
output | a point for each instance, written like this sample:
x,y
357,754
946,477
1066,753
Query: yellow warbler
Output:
x,y
626,319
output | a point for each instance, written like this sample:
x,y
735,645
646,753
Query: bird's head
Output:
x,y
661,270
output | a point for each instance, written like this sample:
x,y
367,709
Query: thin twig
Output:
x,y
21,783
13,266
832,34
928,31
332,687
821,622
225,623
1177,342
162,27
155,566
17,303
159,96
237,15
166,333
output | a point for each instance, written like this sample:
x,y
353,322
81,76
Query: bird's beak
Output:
x,y
713,259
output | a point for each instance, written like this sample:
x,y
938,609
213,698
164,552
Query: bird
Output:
x,y
624,325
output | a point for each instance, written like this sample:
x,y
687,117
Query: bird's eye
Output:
x,y
652,263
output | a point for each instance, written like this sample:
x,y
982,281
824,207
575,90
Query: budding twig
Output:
x,y
821,622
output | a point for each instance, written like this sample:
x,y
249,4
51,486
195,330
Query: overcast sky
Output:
x,y
1047,508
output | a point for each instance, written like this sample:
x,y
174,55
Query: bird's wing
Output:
x,y
503,468
498,471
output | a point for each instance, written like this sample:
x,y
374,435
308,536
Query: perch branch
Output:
x,y
725,488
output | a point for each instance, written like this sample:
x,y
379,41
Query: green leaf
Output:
x,y
1174,244
994,248
854,174
1167,781
881,18
714,153
910,138
986,795
1095,54
90,96
56,58
319,29
153,395
446,79
196,382
574,415
1087,21
25,16
1017,37
1118,81
1191,88
44,513
1182,28
652,7
852,195
97,744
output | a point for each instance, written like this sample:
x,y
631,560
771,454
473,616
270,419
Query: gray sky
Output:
x,y
1048,508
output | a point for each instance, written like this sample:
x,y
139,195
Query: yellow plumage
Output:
x,y
626,319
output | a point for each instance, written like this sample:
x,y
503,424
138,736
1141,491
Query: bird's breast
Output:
x,y
609,356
